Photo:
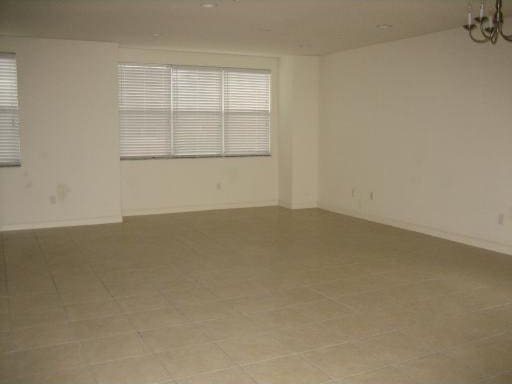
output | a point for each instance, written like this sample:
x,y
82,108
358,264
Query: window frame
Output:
x,y
16,110
171,67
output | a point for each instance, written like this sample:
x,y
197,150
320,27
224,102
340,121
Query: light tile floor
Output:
x,y
261,296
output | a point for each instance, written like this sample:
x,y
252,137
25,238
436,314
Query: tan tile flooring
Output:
x,y
251,296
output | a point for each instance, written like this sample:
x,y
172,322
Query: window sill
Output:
x,y
10,165
192,157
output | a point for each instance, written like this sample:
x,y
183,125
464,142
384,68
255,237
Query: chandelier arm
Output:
x,y
506,37
476,40
487,35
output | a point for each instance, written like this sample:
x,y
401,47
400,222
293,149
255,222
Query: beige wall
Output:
x,y
422,125
298,131
69,140
426,125
158,186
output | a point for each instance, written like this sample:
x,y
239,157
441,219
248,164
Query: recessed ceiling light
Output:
x,y
155,34
384,26
208,5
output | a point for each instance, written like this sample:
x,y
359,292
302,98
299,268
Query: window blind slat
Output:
x,y
9,120
246,112
145,110
197,107
182,111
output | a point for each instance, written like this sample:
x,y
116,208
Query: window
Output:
x,y
185,111
9,122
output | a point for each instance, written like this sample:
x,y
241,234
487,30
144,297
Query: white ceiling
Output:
x,y
307,27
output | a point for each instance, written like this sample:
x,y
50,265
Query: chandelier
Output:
x,y
490,27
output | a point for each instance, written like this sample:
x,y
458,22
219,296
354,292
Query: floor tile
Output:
x,y
101,327
506,378
67,376
142,303
6,342
113,348
41,360
368,300
441,369
489,356
92,310
344,360
286,317
234,326
53,315
304,338
197,295
245,350
194,360
286,370
394,347
381,376
160,339
321,310
157,318
207,311
136,370
42,335
228,376
34,302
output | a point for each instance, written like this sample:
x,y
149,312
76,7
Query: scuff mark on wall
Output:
x,y
62,192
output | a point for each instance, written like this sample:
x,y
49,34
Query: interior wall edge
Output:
x,y
298,205
439,233
199,207
62,223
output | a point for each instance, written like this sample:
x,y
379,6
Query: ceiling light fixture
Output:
x,y
491,28
155,34
384,26
208,5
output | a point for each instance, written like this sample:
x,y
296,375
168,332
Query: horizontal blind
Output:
x,y
197,111
145,110
246,112
185,111
9,120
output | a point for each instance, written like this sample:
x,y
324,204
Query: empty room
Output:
x,y
255,192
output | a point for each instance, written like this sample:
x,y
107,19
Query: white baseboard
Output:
x,y
199,207
62,223
298,205
456,237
